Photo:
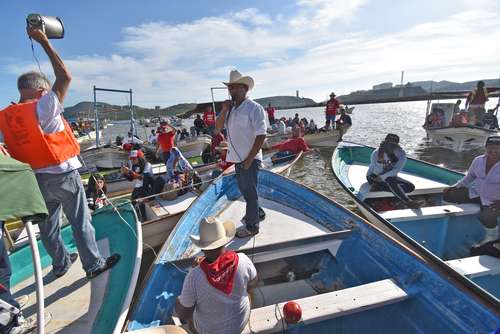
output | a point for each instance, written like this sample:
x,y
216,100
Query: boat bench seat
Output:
x,y
329,305
430,212
476,266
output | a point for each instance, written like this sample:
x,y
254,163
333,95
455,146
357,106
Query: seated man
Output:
x,y
482,185
490,120
139,171
214,296
288,149
435,120
343,124
131,142
177,163
459,119
385,164
96,192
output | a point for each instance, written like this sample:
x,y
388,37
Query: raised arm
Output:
x,y
63,77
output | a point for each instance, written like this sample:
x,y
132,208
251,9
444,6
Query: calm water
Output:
x,y
370,125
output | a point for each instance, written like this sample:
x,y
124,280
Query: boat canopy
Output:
x,y
21,196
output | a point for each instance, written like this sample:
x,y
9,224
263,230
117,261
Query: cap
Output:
x,y
493,140
136,154
393,138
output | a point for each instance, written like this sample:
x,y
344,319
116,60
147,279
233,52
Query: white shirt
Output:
x,y
49,111
244,124
215,311
480,184
132,140
384,169
281,128
148,169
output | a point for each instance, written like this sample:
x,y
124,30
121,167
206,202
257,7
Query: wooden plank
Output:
x,y
330,305
430,212
476,266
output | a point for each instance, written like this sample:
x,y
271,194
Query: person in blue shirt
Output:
x,y
385,164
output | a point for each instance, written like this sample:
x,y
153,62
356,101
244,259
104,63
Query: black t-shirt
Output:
x,y
345,119
199,123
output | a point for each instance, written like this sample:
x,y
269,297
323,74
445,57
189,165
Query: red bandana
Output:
x,y
220,273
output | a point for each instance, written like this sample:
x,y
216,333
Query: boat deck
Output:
x,y
72,300
357,177
282,223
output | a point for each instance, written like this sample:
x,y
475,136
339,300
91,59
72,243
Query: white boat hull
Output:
x,y
193,147
461,138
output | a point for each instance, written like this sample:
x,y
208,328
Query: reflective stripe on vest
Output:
x,y
27,142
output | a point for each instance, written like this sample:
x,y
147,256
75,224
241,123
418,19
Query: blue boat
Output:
x,y
347,275
444,230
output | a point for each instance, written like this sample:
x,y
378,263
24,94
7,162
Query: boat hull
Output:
x,y
460,138
443,230
76,304
359,256
324,140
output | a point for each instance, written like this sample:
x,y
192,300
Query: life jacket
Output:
x,y
270,111
331,107
476,98
28,143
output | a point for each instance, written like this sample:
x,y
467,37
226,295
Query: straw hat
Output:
x,y
236,77
213,233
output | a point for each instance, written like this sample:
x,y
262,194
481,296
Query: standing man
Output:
x,y
270,114
165,140
37,134
245,121
209,119
199,125
331,111
475,103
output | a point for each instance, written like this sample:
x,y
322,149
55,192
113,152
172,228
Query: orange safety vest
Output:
x,y
331,107
28,143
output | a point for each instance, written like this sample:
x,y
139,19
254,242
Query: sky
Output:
x,y
171,52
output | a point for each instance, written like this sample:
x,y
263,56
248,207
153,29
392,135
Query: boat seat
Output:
x,y
476,266
430,212
329,305
357,177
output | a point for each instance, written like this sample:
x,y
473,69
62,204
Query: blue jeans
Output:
x,y
247,182
5,273
65,192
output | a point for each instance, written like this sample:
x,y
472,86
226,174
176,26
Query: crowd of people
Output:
x,y
474,114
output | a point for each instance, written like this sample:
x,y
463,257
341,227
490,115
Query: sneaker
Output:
x,y
110,262
244,232
28,325
262,216
22,300
73,257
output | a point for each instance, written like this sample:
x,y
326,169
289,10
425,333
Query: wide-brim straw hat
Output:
x,y
236,77
213,233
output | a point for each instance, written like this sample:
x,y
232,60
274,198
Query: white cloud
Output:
x,y
170,63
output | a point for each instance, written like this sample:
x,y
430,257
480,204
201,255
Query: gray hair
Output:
x,y
33,80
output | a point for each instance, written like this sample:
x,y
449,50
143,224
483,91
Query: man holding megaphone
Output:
x,y
36,133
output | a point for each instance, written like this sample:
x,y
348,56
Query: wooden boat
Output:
x,y
190,147
104,157
346,275
456,138
446,230
76,304
326,139
162,215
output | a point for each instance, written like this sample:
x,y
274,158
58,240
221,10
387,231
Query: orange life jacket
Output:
x,y
28,143
331,107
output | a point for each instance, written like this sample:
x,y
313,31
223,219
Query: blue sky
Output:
x,y
173,51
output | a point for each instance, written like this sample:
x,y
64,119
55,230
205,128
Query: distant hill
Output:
x,y
450,86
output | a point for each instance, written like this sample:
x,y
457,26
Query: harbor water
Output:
x,y
371,122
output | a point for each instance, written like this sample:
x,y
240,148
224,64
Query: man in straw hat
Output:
x,y
331,110
215,292
481,185
245,121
